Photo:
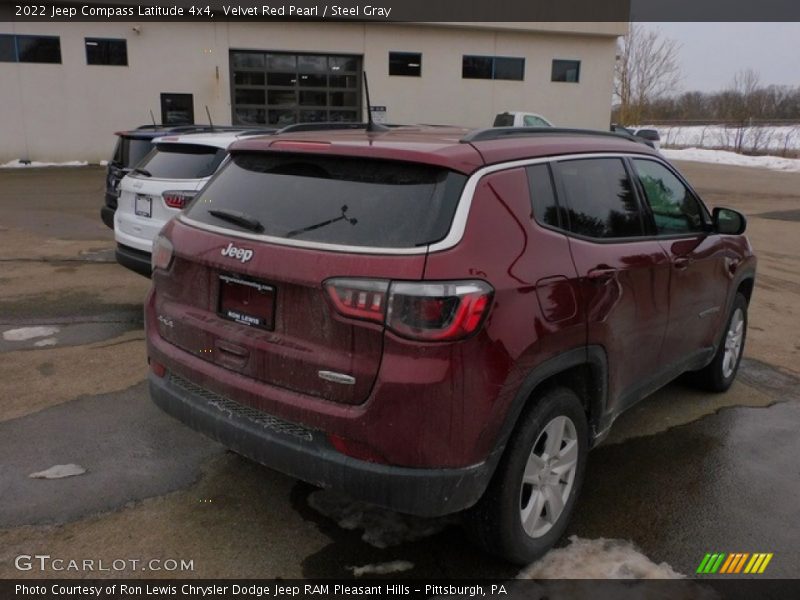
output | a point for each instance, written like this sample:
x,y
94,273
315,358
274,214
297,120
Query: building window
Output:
x,y
30,48
279,89
566,70
405,63
101,51
177,109
493,67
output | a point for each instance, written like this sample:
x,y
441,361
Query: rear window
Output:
x,y
334,200
504,120
130,151
182,161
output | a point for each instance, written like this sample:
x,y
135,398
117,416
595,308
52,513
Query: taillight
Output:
x,y
177,198
434,311
162,253
359,298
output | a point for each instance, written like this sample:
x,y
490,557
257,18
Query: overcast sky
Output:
x,y
712,53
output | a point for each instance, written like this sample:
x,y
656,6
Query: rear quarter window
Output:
x,y
182,161
334,200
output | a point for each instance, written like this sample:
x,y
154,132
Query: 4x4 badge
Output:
x,y
242,254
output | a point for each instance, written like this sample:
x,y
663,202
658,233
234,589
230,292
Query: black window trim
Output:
x,y
571,60
406,53
494,66
16,36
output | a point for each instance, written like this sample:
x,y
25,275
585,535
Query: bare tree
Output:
x,y
646,68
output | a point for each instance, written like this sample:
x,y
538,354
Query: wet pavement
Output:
x,y
683,473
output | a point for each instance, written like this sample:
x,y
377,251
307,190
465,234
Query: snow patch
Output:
x,y
382,527
59,472
29,333
597,559
46,342
395,566
18,164
723,157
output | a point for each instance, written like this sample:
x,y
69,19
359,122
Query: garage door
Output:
x,y
278,88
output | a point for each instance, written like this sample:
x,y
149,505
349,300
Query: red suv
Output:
x,y
437,319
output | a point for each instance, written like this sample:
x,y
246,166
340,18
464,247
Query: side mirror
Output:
x,y
728,221
649,134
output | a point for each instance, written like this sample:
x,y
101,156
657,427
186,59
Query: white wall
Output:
x,y
69,111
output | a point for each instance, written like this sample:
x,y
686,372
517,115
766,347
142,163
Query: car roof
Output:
x,y
221,139
455,148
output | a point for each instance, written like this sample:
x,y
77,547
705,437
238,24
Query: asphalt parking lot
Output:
x,y
684,473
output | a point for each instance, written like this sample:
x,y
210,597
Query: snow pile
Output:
x,y
29,333
395,566
382,527
723,157
59,472
18,164
756,137
597,559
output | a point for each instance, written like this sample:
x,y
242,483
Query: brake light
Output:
x,y
161,257
433,311
177,198
359,298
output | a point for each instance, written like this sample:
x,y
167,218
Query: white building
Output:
x,y
66,87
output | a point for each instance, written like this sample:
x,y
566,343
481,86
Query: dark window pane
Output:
x,y
543,198
285,79
106,52
38,49
405,63
343,99
307,80
476,67
313,99
601,199
282,118
566,70
247,96
281,97
343,81
250,116
312,64
252,60
338,64
504,120
8,48
349,201
183,161
509,68
281,62
534,121
177,109
674,208
248,78
131,150
338,116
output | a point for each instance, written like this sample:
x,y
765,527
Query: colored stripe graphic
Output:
x,y
741,563
727,564
703,563
733,563
714,567
765,563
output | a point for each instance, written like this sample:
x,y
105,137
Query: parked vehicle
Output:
x,y
520,119
131,147
646,136
161,185
441,320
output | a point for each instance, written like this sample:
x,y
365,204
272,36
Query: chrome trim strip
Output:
x,y
457,228
708,311
334,377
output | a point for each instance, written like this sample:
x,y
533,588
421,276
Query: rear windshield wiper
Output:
x,y
144,172
237,218
342,217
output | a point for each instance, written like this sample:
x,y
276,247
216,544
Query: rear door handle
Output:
x,y
682,262
601,273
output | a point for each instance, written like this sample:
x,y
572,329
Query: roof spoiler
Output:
x,y
497,133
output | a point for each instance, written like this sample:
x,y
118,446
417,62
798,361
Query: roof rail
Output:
x,y
496,133
299,127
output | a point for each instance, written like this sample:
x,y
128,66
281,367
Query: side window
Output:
x,y
675,209
600,198
543,197
533,121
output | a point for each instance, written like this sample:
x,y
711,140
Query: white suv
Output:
x,y
160,186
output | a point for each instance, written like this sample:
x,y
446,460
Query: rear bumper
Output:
x,y
307,455
133,259
107,215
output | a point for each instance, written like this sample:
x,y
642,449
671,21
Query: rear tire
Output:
x,y
720,373
528,503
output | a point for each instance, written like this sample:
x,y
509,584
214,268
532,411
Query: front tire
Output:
x,y
528,503
720,373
